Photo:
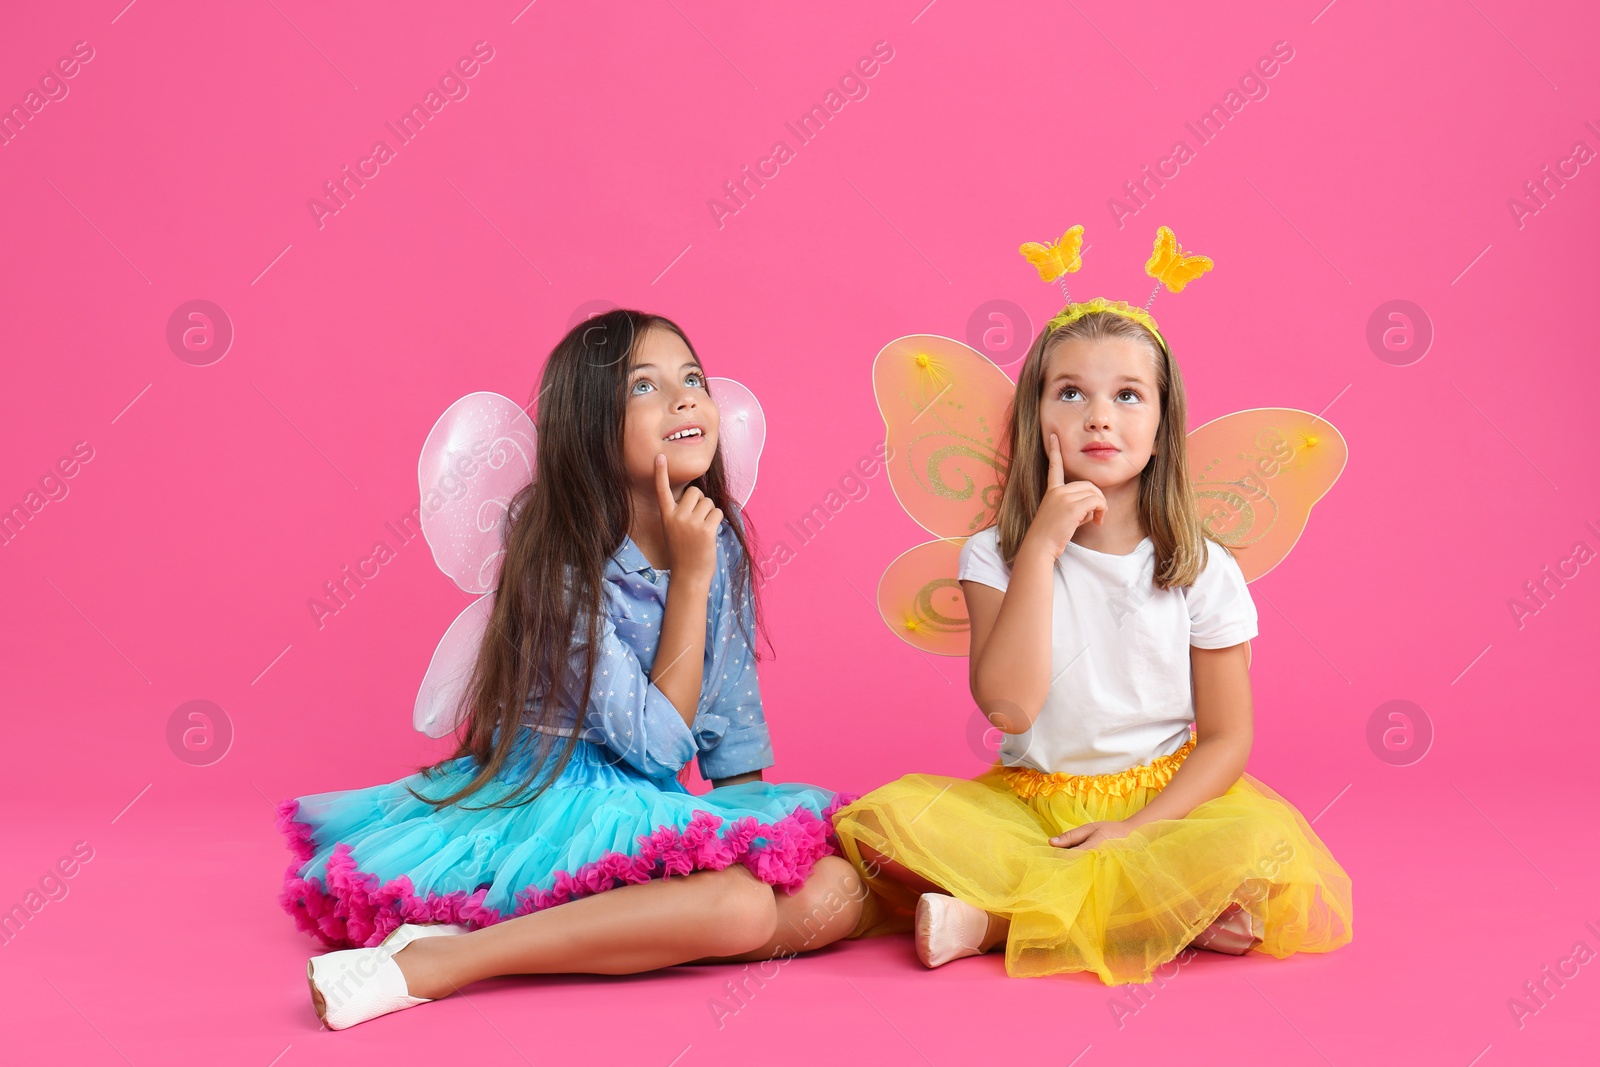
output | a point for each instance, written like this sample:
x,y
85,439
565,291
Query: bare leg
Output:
x,y
624,930
897,871
825,909
999,925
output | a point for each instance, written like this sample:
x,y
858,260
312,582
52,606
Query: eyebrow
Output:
x,y
1064,377
695,363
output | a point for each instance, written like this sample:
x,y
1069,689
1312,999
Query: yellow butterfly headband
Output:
x,y
1168,265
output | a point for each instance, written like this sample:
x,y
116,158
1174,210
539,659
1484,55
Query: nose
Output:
x,y
1097,415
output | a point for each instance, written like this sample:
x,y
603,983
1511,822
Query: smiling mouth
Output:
x,y
689,433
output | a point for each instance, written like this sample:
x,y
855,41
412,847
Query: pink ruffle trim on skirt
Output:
x,y
353,911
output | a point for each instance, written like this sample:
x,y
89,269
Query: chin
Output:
x,y
688,469
1100,481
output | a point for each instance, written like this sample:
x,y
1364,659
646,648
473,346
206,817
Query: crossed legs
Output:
x,y
1233,932
705,917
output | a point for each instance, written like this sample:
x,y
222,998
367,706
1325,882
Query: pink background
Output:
x,y
219,498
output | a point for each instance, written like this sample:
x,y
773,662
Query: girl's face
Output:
x,y
668,410
1101,401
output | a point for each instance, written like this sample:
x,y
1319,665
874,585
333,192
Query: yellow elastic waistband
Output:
x,y
1027,782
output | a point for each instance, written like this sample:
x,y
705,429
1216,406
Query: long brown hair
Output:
x,y
560,532
1168,509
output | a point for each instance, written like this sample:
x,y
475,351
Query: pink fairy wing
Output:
x,y
1257,473
943,406
440,699
479,454
741,437
475,459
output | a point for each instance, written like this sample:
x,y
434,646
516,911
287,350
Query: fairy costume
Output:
x,y
1117,721
369,859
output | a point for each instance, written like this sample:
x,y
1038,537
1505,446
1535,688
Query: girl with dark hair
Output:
x,y
619,647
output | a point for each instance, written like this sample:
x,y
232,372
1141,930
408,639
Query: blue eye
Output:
x,y
694,379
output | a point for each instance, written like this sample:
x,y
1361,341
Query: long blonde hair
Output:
x,y
1168,509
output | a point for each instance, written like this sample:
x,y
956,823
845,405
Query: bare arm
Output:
x,y
1009,669
689,526
1224,732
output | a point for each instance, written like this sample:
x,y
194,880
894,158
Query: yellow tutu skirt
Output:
x,y
1120,909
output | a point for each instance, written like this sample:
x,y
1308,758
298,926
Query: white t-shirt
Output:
x,y
1121,692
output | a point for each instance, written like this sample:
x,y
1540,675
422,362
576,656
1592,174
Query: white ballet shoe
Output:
x,y
356,984
948,929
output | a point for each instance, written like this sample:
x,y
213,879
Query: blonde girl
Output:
x,y
1109,644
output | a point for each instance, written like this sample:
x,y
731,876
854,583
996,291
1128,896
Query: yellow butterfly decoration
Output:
x,y
1170,266
1054,260
1256,474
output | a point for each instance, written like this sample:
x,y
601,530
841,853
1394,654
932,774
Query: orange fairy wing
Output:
x,y
1257,473
921,601
943,406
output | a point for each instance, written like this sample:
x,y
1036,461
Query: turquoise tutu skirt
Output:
x,y
368,859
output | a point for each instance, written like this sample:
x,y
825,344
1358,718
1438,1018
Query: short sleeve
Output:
x,y
980,560
1221,612
730,730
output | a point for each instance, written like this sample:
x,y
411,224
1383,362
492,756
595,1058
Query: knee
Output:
x,y
826,908
872,861
837,883
876,864
746,915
